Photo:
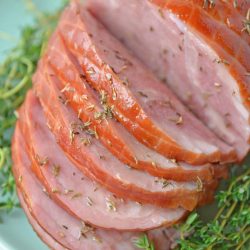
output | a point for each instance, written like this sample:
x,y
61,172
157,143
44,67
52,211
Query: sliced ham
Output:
x,y
163,239
97,162
203,61
227,14
43,235
146,107
77,194
55,223
111,133
200,19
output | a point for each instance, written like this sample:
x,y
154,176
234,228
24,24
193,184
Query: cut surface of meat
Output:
x,y
111,133
77,194
63,228
212,82
142,104
130,123
163,239
95,160
44,236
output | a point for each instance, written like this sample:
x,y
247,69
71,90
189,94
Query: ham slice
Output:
x,y
111,133
73,191
58,228
200,53
146,107
43,235
97,162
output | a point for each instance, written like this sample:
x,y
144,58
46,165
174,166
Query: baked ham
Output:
x,y
136,107
201,52
44,236
112,134
97,162
146,107
59,229
80,196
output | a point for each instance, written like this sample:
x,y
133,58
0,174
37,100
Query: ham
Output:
x,y
58,228
44,236
73,191
136,107
201,55
226,14
111,133
146,107
97,162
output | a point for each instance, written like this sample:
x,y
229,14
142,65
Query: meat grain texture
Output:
x,y
130,124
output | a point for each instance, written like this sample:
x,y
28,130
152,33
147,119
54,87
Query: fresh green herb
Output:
x,y
230,228
144,242
7,182
15,79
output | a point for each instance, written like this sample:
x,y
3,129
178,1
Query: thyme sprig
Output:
x,y
15,79
230,228
143,242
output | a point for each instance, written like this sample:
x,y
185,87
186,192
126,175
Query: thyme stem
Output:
x,y
2,157
22,83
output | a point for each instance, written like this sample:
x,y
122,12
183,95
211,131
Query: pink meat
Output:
x,y
44,236
104,167
185,60
90,41
74,87
55,222
86,200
